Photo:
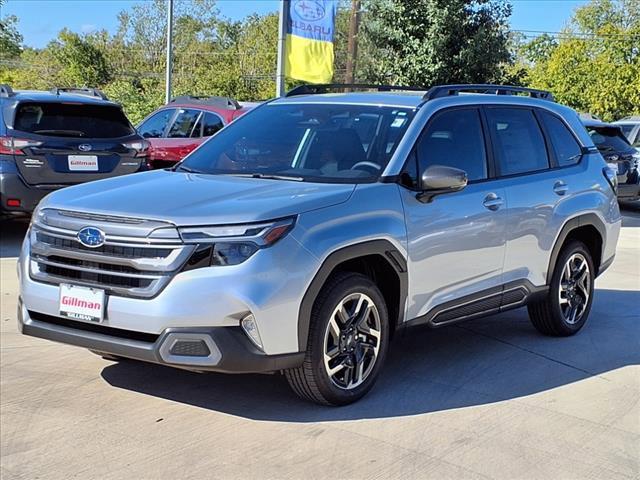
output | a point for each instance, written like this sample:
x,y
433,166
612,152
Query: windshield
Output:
x,y
334,143
72,120
609,139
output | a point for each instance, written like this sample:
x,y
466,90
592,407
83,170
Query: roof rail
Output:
x,y
6,91
220,102
634,118
313,89
91,92
440,91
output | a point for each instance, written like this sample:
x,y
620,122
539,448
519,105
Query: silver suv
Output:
x,y
304,235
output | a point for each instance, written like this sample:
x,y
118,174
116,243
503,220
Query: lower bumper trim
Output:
x,y
231,350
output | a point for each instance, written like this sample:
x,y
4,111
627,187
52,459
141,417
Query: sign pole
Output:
x,y
169,65
282,36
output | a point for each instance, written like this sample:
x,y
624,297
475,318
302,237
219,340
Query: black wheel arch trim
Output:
x,y
587,219
383,248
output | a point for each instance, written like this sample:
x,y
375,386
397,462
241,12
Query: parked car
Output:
x,y
314,228
175,129
631,128
49,140
610,140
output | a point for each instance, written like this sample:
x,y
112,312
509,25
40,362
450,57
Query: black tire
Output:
x,y
547,315
311,381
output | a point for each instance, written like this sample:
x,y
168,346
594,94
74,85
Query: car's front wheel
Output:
x,y
566,307
348,341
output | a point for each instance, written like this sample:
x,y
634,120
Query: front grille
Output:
x,y
95,278
127,266
94,217
111,250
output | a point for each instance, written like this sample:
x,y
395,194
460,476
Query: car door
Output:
x,y
154,128
538,181
456,242
183,135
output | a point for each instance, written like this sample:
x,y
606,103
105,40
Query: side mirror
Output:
x,y
438,179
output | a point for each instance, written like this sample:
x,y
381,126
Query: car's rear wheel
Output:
x,y
348,341
566,307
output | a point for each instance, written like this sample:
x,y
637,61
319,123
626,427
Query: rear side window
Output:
x,y
518,141
565,146
184,126
156,124
72,120
454,138
211,123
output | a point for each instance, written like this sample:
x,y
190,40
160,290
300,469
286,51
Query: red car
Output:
x,y
175,129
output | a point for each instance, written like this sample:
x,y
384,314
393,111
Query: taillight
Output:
x,y
140,146
14,146
610,172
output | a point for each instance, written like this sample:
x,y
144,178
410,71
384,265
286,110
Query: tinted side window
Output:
x,y
454,138
567,150
155,125
211,124
184,124
518,142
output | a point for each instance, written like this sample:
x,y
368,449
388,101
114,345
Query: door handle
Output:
x,y
560,188
492,202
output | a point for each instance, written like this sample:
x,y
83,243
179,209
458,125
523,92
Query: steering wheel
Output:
x,y
371,165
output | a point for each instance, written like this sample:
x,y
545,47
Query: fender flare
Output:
x,y
588,219
383,248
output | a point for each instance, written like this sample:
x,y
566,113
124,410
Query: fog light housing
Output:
x,y
250,327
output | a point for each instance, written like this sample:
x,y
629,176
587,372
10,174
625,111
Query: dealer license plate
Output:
x,y
81,303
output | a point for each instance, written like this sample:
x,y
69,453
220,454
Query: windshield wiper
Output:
x,y
77,133
269,176
182,168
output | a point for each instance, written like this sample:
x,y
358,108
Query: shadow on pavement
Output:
x,y
478,362
12,232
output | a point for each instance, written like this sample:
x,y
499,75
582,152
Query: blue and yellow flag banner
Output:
x,y
309,42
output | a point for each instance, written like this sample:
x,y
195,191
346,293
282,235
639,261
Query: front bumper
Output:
x,y
269,286
229,350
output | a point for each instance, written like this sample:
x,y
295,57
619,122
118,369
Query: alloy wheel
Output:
x,y
575,288
352,341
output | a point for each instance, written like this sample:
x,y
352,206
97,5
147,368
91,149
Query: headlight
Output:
x,y
232,244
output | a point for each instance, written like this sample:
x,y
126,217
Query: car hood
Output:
x,y
197,199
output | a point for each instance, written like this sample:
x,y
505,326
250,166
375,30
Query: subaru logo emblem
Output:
x,y
84,147
91,237
613,158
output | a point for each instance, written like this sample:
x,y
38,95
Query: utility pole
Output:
x,y
282,36
169,66
352,45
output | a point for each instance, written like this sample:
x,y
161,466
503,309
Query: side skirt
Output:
x,y
487,302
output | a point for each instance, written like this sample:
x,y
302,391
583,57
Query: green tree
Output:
x,y
10,47
595,65
82,63
426,42
10,38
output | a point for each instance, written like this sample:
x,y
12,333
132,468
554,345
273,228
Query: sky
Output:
x,y
41,20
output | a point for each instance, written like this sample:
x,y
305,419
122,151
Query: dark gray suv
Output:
x,y
50,140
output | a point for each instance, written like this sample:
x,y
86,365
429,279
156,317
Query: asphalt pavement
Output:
x,y
490,398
